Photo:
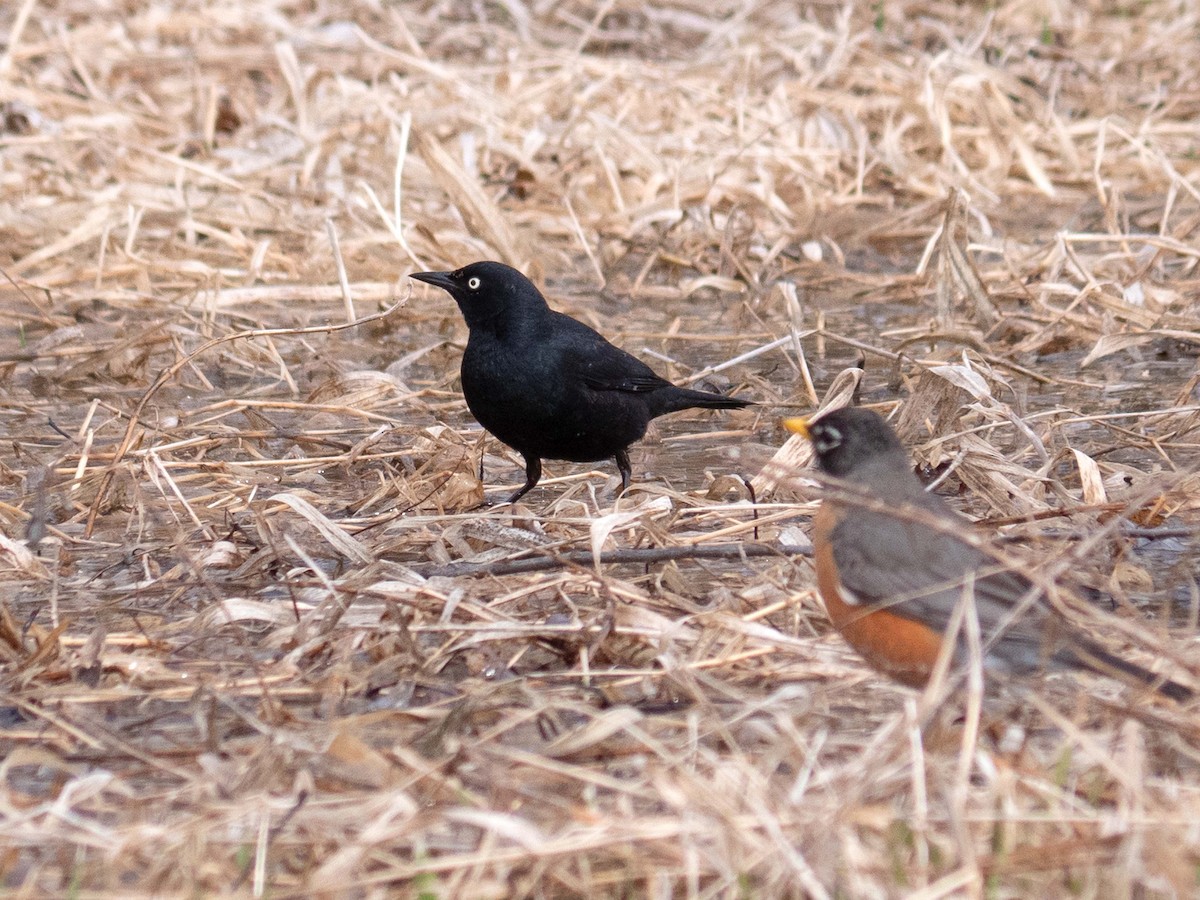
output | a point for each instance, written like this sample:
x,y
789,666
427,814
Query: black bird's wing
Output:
x,y
587,357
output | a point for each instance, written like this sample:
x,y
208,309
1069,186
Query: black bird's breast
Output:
x,y
554,392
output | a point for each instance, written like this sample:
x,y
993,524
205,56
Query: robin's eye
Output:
x,y
473,283
828,439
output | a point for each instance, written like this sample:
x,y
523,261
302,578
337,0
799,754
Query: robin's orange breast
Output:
x,y
902,648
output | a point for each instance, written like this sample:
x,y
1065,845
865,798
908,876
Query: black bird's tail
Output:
x,y
1099,660
678,398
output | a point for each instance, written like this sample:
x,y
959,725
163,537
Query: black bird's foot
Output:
x,y
533,474
626,470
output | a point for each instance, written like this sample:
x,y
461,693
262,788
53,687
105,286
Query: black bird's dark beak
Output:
x,y
437,279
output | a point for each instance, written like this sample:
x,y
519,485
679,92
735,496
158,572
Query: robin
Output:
x,y
892,566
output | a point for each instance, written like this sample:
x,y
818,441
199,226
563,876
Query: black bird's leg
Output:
x,y
533,474
624,468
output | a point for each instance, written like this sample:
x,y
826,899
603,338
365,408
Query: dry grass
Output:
x,y
223,671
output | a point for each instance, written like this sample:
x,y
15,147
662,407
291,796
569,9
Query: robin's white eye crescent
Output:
x,y
473,283
829,438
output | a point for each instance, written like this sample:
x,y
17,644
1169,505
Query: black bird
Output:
x,y
548,385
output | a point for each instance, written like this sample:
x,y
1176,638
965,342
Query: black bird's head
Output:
x,y
846,440
488,292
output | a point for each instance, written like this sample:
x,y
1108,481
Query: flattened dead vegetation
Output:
x,y
257,638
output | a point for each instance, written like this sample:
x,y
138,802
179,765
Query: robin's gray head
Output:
x,y
846,439
487,291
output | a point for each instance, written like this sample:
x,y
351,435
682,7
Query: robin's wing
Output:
x,y
591,359
922,574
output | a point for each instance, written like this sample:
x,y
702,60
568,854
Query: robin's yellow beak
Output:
x,y
799,426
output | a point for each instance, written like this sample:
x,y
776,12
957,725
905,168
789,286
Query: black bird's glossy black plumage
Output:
x,y
549,386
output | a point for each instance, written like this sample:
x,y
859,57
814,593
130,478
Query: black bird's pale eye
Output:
x,y
473,283
827,438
